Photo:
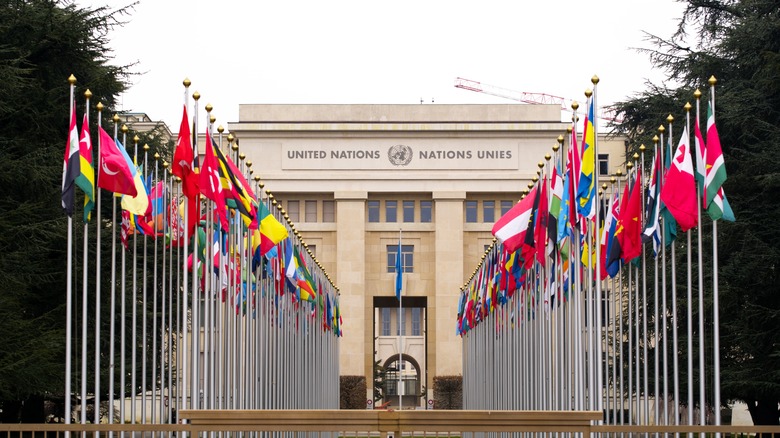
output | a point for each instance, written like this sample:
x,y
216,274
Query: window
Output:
x,y
373,211
328,211
416,311
426,210
407,258
294,210
603,164
506,206
391,211
391,384
402,326
471,211
385,321
408,211
410,387
311,211
488,211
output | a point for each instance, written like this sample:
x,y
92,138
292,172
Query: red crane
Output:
x,y
524,96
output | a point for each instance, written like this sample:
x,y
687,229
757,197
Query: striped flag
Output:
x,y
652,231
70,165
86,178
715,198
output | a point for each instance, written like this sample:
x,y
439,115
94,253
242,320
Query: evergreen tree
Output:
x,y
41,44
739,43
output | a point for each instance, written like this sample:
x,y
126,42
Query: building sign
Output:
x,y
461,154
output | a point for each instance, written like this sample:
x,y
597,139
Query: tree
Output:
x,y
739,43
41,44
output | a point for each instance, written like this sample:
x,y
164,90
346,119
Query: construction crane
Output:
x,y
524,96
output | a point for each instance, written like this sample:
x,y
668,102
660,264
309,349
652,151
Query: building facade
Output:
x,y
362,182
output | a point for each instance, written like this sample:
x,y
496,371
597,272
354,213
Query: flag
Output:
x,y
271,230
210,184
86,178
70,165
615,248
398,271
157,201
717,205
610,225
139,203
631,237
587,182
556,193
234,187
183,159
114,174
679,190
540,230
701,156
670,225
125,228
510,228
652,231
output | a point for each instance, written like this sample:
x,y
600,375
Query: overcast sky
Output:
x,y
344,51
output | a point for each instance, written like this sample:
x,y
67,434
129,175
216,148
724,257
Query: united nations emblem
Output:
x,y
400,155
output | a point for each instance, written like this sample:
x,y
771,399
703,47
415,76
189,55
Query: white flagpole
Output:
x,y
690,289
181,353
134,338
154,296
144,318
599,383
97,292
715,305
69,286
400,326
194,308
702,399
84,297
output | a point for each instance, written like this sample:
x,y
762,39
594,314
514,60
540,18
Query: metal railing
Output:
x,y
378,423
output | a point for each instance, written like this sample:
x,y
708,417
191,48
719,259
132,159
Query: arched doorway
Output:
x,y
402,380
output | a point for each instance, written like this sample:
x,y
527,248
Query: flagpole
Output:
x,y
656,343
599,334
97,287
662,224
112,324
699,157
673,281
400,269
181,375
144,307
154,291
69,275
715,306
134,337
84,298
689,277
645,365
195,314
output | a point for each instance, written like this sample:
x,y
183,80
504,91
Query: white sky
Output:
x,y
362,51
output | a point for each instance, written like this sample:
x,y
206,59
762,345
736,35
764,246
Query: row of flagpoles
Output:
x,y
235,312
565,313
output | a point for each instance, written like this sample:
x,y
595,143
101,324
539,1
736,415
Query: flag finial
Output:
x,y
661,129
712,81
99,106
594,79
186,82
209,107
670,118
687,107
655,138
196,95
125,129
220,129
642,147
88,94
588,93
697,94
72,80
575,105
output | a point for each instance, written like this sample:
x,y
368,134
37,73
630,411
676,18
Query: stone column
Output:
x,y
443,308
351,276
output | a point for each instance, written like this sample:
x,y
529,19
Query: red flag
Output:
x,y
540,230
679,189
510,228
125,228
210,184
114,173
183,158
631,218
